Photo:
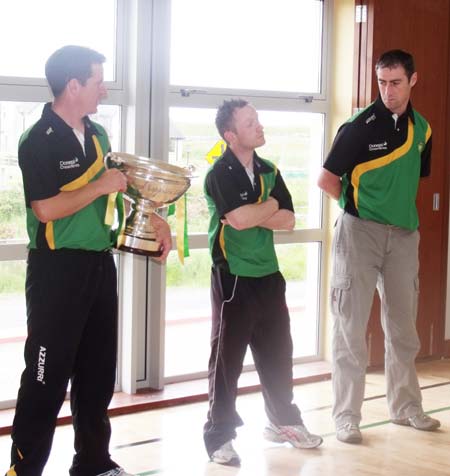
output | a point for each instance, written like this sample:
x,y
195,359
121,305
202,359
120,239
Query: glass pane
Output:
x,y
109,116
188,310
300,265
294,141
15,118
188,313
37,29
13,326
270,45
192,135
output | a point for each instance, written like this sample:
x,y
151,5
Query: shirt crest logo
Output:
x,y
69,164
380,146
421,146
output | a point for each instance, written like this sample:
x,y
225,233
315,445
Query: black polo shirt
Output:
x,y
380,159
248,252
52,160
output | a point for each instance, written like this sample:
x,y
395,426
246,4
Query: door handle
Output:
x,y
436,198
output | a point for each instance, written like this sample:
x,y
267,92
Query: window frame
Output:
x,y
203,97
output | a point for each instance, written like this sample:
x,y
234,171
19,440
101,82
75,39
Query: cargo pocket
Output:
x,y
340,287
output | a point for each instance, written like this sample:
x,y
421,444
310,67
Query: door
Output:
x,y
382,25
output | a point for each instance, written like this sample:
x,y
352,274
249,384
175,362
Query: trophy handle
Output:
x,y
106,160
112,161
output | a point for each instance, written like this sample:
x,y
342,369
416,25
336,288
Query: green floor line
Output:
x,y
370,425
385,422
326,435
443,409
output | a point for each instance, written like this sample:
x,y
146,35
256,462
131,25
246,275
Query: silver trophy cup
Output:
x,y
152,184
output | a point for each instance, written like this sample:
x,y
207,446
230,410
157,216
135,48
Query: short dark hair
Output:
x,y
224,116
393,58
70,62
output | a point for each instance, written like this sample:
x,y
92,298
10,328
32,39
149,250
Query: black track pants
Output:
x,y
72,335
248,311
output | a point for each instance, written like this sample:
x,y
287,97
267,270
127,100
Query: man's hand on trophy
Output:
x,y
112,180
163,235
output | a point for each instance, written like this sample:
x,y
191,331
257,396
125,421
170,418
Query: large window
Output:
x,y
294,143
15,118
33,30
274,60
170,63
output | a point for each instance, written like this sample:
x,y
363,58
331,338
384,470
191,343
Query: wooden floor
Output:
x,y
168,442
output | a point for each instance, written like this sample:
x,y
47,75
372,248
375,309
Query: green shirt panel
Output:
x,y
388,194
249,252
85,229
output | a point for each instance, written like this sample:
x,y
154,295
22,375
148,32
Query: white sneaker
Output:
x,y
296,435
421,421
349,433
227,455
116,472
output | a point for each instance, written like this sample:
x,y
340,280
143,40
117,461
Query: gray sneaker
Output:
x,y
349,433
226,455
296,435
421,421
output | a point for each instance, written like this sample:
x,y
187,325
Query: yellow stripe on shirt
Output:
x,y
222,241
261,181
90,173
381,161
50,235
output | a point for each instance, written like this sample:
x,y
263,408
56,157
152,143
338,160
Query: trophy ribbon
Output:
x,y
110,207
180,214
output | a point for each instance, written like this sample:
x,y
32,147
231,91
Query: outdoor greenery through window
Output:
x,y
294,142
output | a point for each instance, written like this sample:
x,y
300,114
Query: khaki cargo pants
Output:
x,y
369,255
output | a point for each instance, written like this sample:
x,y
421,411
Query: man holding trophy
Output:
x,y
248,199
71,283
